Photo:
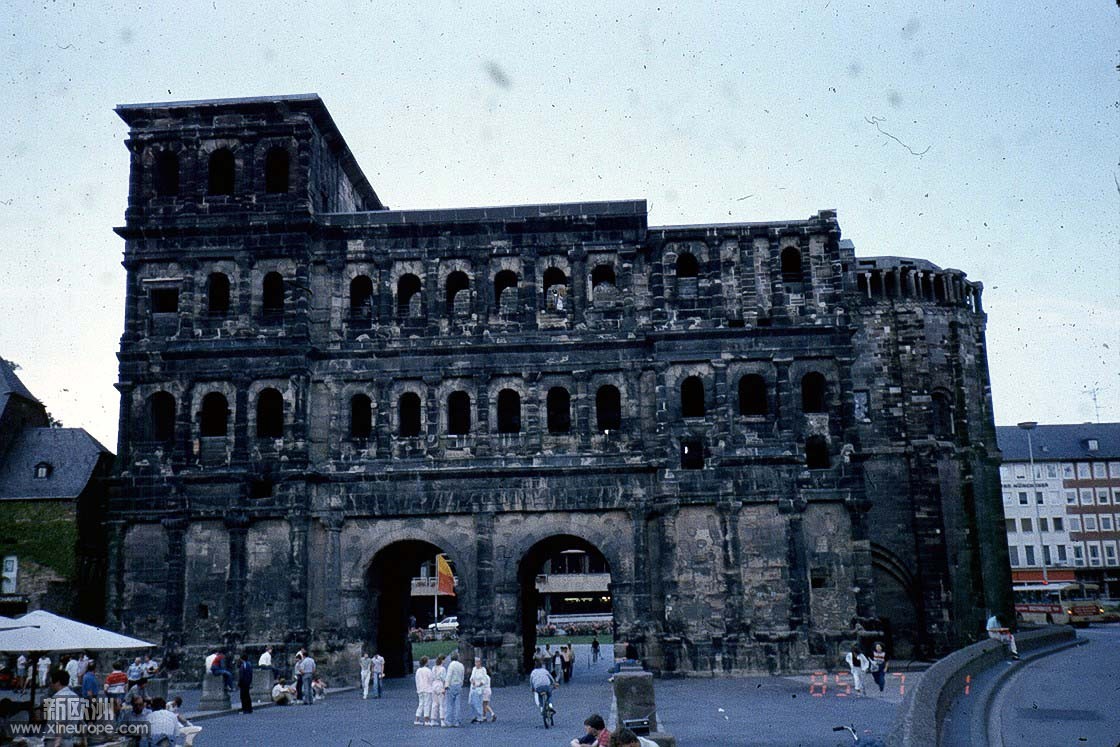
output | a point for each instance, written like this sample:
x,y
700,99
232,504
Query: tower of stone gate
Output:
x,y
764,440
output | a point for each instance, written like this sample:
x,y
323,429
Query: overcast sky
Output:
x,y
1001,158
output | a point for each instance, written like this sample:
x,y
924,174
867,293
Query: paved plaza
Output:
x,y
733,711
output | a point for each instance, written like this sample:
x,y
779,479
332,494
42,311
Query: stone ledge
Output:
x,y
923,709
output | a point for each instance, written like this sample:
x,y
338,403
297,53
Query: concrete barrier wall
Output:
x,y
924,707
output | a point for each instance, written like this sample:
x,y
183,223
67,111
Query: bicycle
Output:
x,y
548,711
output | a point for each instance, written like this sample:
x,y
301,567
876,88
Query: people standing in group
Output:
x,y
297,676
245,682
365,671
879,666
423,692
857,665
438,713
307,674
456,673
378,673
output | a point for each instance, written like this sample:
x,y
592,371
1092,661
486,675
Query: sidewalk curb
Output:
x,y
987,728
207,715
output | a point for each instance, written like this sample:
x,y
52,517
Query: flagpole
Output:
x,y
435,597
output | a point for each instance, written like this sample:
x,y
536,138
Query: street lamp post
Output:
x,y
1029,426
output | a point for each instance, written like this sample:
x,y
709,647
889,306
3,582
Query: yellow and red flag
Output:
x,y
445,581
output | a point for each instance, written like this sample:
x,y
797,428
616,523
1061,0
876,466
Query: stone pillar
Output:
x,y
214,695
176,528
261,689
578,284
297,565
634,700
114,607
332,570
237,524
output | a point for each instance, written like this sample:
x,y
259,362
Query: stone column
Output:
x,y
578,284
114,607
332,570
298,572
176,528
237,525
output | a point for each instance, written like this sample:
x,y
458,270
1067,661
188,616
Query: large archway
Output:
x,y
403,598
563,581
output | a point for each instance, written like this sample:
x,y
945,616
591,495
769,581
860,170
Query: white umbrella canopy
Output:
x,y
46,631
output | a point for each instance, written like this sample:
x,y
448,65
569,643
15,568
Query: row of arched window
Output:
x,y
214,415
457,290
221,175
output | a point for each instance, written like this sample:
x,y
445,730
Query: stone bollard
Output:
x,y
214,695
261,689
157,687
633,700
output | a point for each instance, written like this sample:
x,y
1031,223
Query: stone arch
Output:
x,y
897,590
386,568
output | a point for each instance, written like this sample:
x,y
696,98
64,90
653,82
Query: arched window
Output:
x,y
409,298
276,171
555,290
687,266
509,411
408,413
942,414
814,393
608,408
816,453
361,417
752,395
161,417
166,174
791,265
559,407
272,294
217,294
688,272
458,413
458,283
505,291
214,421
220,180
603,288
270,414
361,297
692,397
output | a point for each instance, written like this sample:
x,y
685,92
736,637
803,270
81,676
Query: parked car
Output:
x,y
446,625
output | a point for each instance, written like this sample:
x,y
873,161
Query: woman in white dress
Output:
x,y
480,681
857,664
439,686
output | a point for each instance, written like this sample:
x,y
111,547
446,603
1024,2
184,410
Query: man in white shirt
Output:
x,y
423,692
455,675
365,666
210,660
72,670
264,664
164,723
378,673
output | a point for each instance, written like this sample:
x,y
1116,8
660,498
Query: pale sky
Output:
x,y
735,111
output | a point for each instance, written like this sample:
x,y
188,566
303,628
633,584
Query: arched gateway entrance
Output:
x,y
403,598
564,581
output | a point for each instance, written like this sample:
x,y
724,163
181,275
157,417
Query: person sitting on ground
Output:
x,y
136,715
999,632
596,732
164,724
176,706
627,738
283,693
319,688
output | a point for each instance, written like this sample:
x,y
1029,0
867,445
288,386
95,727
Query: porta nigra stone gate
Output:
x,y
771,442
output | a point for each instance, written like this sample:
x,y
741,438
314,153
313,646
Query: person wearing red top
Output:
x,y
116,682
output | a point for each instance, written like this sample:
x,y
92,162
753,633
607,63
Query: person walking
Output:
x,y
43,666
307,674
594,649
244,682
455,675
479,677
439,688
857,665
879,666
423,692
567,659
365,667
378,673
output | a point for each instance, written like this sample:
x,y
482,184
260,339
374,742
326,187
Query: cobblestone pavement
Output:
x,y
738,711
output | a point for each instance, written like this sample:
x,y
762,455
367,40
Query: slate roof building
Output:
x,y
52,500
767,442
1075,491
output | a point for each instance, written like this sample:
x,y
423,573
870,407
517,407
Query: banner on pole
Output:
x,y
445,581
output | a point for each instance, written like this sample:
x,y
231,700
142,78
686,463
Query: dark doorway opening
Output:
x,y
402,600
563,580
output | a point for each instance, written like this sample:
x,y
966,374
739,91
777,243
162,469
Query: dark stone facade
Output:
x,y
769,440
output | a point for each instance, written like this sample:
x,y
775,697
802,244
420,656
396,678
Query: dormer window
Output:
x,y
42,471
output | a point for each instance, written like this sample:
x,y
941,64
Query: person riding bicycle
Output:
x,y
542,683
